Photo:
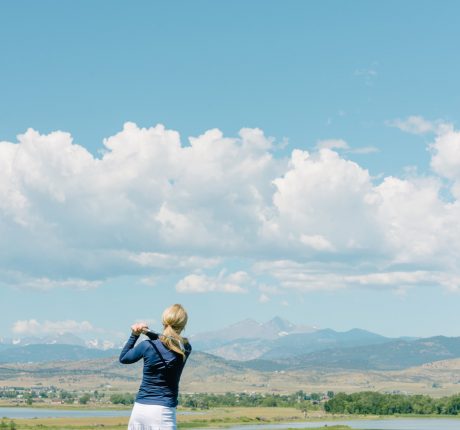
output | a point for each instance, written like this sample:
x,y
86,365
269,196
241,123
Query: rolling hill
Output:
x,y
207,373
394,355
52,352
276,345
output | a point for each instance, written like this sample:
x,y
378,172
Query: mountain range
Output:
x,y
37,353
271,346
277,340
247,339
392,355
56,339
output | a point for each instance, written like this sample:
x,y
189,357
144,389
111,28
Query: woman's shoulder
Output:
x,y
157,345
187,346
143,346
160,348
152,343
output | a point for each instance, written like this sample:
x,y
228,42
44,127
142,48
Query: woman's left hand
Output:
x,y
139,328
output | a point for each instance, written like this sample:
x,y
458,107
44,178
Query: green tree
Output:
x,y
269,402
66,396
123,399
453,405
83,400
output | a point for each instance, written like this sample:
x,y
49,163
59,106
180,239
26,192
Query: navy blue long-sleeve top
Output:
x,y
162,370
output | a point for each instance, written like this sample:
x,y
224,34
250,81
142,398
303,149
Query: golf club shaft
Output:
x,y
156,335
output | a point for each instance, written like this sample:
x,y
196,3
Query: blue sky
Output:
x,y
322,183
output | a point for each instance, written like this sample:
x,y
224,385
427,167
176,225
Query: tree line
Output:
x,y
208,400
365,403
31,396
369,402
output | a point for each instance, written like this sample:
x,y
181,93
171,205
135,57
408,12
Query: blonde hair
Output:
x,y
174,320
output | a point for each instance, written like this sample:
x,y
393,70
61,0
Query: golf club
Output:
x,y
147,331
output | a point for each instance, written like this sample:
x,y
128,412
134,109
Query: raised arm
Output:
x,y
130,354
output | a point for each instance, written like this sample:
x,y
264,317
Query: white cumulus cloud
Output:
x,y
418,125
170,261
332,144
153,203
445,159
325,202
23,282
34,327
305,277
199,283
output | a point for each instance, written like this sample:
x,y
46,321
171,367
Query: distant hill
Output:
x,y
394,355
3,347
386,355
247,339
52,352
301,344
246,332
279,344
59,338
207,373
62,338
274,346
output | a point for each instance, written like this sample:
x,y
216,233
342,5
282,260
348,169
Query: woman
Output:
x,y
164,358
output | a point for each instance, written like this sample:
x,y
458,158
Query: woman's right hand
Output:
x,y
139,328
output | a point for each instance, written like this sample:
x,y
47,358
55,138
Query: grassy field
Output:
x,y
108,376
218,417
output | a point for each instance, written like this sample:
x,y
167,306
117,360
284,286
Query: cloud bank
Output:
x,y
152,204
34,327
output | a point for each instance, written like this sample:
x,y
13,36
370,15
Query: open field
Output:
x,y
107,375
107,425
217,417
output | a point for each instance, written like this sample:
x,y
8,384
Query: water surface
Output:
x,y
19,412
388,424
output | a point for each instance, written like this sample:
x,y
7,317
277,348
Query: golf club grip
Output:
x,y
151,334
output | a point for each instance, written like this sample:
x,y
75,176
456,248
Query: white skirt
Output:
x,y
152,417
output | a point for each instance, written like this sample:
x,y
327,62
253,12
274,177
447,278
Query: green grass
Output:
x,y
205,424
339,427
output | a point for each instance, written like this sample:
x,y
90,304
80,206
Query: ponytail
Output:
x,y
174,321
173,341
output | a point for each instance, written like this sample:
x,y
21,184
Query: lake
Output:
x,y
18,412
387,424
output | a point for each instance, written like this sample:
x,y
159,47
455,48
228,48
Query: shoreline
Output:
x,y
315,415
217,418
65,406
